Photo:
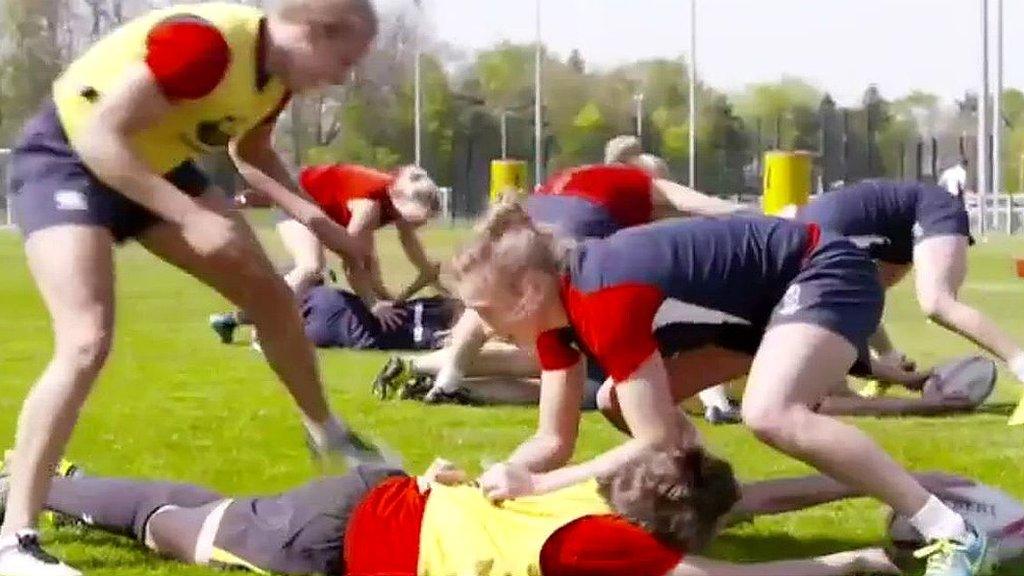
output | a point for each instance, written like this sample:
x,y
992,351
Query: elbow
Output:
x,y
559,449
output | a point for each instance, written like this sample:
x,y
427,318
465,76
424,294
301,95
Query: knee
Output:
x,y
773,425
936,306
86,351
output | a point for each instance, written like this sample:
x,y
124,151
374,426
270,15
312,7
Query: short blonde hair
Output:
x,y
622,150
330,12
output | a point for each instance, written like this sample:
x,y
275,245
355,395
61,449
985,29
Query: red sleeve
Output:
x,y
616,325
188,56
624,191
606,546
555,351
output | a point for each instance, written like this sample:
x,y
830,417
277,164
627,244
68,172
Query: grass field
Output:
x,y
175,404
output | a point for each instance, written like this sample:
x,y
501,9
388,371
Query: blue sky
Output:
x,y
840,45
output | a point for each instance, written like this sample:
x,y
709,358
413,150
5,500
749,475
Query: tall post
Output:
x,y
538,110
639,100
504,134
997,115
983,131
418,105
693,94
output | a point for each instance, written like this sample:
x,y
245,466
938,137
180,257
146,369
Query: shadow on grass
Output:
x,y
1002,409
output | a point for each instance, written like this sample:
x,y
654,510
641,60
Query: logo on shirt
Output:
x,y
790,302
70,200
918,230
212,134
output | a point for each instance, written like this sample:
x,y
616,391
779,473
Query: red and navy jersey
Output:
x,y
594,201
888,217
333,186
625,294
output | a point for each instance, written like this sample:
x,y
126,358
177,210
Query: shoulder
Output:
x,y
188,56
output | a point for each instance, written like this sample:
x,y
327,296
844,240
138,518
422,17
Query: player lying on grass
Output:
x,y
502,374
909,224
362,200
592,202
651,518
652,302
336,318
110,158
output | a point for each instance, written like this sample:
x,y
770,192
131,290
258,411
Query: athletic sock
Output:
x,y
715,398
326,433
449,378
121,506
936,521
1016,365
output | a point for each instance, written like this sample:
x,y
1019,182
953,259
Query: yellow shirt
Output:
x,y
194,127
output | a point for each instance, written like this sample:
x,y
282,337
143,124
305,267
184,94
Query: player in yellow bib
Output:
x,y
110,158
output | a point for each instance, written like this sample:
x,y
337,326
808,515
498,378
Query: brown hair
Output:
x,y
678,497
508,243
357,15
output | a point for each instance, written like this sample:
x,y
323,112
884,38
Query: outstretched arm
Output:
x,y
261,166
690,202
428,271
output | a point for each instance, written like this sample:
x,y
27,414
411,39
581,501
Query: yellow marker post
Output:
x,y
1017,419
787,181
507,175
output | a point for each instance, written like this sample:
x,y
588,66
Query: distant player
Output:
x,y
652,518
645,300
908,224
586,202
362,200
336,318
110,159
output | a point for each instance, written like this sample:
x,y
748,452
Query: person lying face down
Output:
x,y
648,519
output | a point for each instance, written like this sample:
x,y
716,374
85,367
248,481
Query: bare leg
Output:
x,y
74,270
940,266
245,276
493,359
468,336
792,371
307,255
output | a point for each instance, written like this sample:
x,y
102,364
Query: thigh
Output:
x,y
234,275
696,370
302,245
940,265
73,267
797,364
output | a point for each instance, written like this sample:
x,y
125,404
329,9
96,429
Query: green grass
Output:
x,y
173,404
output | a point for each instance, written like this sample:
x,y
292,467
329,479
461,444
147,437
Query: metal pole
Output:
x,y
639,99
504,134
983,95
538,113
418,104
997,115
693,94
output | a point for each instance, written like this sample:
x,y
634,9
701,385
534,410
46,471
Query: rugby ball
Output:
x,y
988,509
972,378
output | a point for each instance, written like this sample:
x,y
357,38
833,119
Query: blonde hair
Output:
x,y
355,14
622,150
508,243
653,165
422,191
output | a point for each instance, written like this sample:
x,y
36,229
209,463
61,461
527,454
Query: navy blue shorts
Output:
x,y
837,289
50,185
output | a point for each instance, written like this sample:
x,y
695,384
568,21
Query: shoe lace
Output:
x,y
940,554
